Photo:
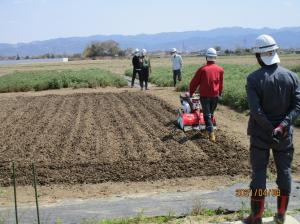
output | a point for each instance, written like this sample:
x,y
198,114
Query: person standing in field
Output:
x,y
136,66
209,79
146,69
176,60
273,95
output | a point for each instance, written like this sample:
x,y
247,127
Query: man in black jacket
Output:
x,y
136,66
273,94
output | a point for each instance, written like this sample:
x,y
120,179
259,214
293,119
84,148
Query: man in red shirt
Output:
x,y
209,79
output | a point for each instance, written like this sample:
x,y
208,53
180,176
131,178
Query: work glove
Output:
x,y
279,133
185,95
220,97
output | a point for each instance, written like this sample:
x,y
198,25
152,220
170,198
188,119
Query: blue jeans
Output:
x,y
209,105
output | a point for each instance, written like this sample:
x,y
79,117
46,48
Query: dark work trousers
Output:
x,y
134,72
144,78
259,159
176,76
209,105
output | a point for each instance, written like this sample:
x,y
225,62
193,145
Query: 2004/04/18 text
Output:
x,y
257,192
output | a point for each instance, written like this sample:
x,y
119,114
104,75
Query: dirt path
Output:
x,y
151,205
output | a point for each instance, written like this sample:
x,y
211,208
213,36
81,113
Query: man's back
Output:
x,y
210,79
275,87
136,62
176,62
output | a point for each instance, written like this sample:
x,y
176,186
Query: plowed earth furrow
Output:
x,y
98,137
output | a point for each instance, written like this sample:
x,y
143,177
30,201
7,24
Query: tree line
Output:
x,y
101,49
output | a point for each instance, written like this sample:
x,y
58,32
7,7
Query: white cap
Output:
x,y
173,50
265,43
211,54
144,52
266,46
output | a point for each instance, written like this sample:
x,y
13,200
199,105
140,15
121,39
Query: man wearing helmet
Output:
x,y
273,94
176,60
136,65
146,69
210,80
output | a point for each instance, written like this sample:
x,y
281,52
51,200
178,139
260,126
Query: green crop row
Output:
x,y
43,80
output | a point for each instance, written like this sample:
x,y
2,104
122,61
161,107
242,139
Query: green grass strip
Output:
x,y
44,80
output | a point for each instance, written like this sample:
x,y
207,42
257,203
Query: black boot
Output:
x,y
282,204
279,219
257,210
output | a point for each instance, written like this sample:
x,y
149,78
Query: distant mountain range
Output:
x,y
226,38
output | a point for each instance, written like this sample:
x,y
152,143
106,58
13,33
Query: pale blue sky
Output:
x,y
29,20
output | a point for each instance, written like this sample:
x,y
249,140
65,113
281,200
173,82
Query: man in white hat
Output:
x,y
273,94
136,66
209,81
176,60
146,69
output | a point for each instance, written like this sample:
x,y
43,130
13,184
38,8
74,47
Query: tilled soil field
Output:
x,y
99,137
